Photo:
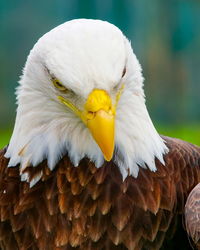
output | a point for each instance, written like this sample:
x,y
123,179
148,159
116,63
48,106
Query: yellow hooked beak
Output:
x,y
99,116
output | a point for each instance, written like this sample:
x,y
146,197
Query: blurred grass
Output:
x,y
4,137
190,133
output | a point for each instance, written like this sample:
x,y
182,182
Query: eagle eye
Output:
x,y
58,84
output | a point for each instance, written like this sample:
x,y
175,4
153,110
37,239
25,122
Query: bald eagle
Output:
x,y
85,168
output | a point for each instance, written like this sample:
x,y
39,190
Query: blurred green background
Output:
x,y
165,36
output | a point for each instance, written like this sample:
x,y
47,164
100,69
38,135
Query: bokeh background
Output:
x,y
165,36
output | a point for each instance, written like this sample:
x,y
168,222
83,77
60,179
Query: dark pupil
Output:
x,y
60,85
124,72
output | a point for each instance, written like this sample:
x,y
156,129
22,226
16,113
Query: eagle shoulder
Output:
x,y
183,163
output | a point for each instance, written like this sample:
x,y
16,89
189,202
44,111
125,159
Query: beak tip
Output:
x,y
108,157
108,160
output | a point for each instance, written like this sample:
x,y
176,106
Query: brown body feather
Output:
x,y
88,208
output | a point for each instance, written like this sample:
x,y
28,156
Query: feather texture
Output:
x,y
192,215
89,208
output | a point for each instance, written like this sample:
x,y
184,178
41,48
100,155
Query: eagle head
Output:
x,y
81,94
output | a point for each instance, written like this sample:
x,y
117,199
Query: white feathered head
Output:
x,y
81,93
